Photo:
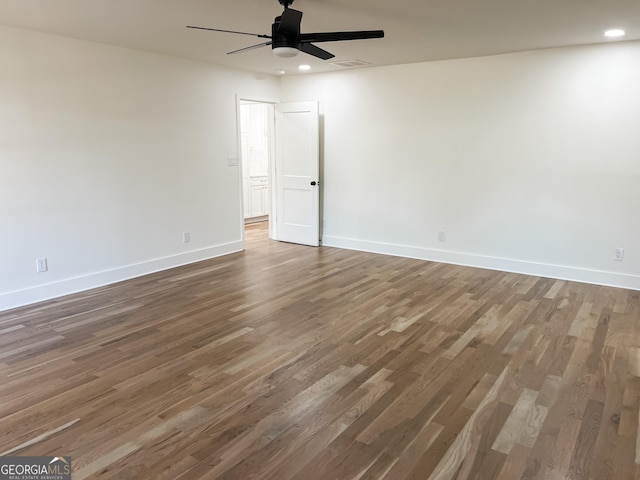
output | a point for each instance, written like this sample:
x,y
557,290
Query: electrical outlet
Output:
x,y
442,236
619,254
41,265
186,237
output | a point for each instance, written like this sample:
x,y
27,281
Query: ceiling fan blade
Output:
x,y
316,51
252,47
228,31
290,22
340,36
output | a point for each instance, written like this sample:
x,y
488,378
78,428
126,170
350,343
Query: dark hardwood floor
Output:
x,y
287,361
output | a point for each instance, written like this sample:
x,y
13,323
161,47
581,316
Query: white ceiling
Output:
x,y
416,30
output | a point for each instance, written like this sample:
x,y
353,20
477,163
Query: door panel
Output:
x,y
297,167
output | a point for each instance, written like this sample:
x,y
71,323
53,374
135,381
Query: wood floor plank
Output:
x,y
469,436
582,460
290,362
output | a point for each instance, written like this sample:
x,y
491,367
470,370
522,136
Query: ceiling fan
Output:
x,y
286,40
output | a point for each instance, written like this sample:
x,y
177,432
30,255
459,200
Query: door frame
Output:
x,y
272,177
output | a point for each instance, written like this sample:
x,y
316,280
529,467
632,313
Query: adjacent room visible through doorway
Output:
x,y
256,147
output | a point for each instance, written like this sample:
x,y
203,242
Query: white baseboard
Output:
x,y
597,277
19,298
250,220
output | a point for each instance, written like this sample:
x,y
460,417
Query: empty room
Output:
x,y
319,240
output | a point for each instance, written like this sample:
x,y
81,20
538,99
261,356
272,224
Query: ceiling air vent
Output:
x,y
351,63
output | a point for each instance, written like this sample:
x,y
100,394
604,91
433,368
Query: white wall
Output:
x,y
529,162
106,156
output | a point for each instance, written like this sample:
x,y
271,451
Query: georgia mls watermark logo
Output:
x,y
35,468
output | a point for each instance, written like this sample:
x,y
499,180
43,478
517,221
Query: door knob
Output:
x,y
314,183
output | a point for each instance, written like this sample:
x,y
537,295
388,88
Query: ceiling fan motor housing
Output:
x,y
280,39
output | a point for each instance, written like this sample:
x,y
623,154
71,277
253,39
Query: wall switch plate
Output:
x,y
41,265
186,237
619,254
442,236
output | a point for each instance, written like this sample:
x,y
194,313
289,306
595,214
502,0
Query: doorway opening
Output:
x,y
257,146
280,163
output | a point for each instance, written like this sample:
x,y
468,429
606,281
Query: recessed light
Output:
x,y
304,68
614,33
279,71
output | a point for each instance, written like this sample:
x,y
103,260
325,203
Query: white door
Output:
x,y
297,188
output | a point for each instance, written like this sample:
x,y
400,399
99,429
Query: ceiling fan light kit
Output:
x,y
285,52
286,40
